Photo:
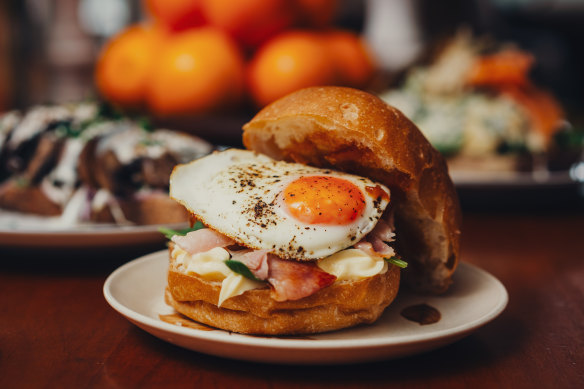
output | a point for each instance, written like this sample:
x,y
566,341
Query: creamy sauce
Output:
x,y
102,199
210,265
181,321
122,142
60,183
76,208
35,122
133,142
234,285
352,264
84,112
7,123
101,129
349,264
184,148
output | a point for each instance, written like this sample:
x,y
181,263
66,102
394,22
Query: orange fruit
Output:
x,y
354,63
250,22
176,15
123,66
317,13
289,62
196,71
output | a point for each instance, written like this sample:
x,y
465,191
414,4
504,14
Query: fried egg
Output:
x,y
292,210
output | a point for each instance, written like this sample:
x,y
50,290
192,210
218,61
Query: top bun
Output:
x,y
356,132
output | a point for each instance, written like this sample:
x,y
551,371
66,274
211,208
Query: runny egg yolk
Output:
x,y
324,200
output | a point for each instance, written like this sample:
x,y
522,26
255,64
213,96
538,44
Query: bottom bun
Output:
x,y
343,304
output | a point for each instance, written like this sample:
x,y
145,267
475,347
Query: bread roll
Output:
x,y
343,304
356,132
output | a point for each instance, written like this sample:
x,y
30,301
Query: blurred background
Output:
x,y
49,48
206,67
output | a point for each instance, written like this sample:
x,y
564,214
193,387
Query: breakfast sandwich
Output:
x,y
338,198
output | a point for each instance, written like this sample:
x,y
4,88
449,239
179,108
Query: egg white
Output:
x,y
236,192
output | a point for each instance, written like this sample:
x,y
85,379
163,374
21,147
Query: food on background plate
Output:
x,y
77,163
309,229
477,105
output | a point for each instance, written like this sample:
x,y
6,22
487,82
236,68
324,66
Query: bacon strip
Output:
x,y
202,240
293,280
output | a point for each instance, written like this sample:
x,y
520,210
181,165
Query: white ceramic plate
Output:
x,y
18,230
136,291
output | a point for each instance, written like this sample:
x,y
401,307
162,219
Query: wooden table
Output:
x,y
57,330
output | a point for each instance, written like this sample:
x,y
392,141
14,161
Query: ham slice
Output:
x,y
202,240
376,249
382,231
290,280
293,280
255,260
374,244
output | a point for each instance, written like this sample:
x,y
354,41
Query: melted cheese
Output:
x,y
234,285
353,264
349,264
210,266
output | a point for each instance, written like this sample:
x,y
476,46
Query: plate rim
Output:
x,y
101,236
92,229
513,179
226,337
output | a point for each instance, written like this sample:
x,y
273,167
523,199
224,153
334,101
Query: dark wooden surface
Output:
x,y
57,330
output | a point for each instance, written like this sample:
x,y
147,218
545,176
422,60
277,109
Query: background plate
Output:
x,y
33,232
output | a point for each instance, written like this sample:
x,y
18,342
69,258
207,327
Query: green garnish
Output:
x,y
145,123
169,233
109,112
66,129
22,182
151,142
240,268
397,262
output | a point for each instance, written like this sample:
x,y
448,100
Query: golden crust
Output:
x,y
354,131
341,305
27,199
157,208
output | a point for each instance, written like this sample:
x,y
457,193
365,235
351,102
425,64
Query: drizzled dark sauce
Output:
x,y
181,321
422,314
